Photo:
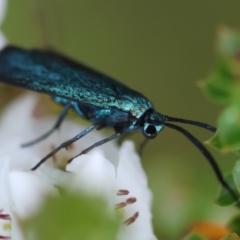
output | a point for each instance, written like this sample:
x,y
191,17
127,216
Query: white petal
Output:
x,y
16,232
6,201
20,158
3,41
17,116
130,176
94,174
28,191
3,5
56,176
4,186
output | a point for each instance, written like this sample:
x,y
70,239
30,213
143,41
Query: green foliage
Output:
x,y
236,174
223,87
234,224
220,83
224,198
72,217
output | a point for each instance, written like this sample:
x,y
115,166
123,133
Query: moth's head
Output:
x,y
152,124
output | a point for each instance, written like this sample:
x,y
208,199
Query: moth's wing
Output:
x,y
55,75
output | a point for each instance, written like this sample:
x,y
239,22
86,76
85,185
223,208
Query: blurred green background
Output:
x,y
161,49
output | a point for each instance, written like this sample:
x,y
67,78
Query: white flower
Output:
x,y
16,187
114,174
3,5
125,187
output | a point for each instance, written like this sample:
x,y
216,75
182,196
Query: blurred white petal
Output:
x,y
4,197
21,194
131,176
3,41
28,191
3,6
94,174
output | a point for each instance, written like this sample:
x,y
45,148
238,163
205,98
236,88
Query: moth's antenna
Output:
x,y
39,17
191,122
208,156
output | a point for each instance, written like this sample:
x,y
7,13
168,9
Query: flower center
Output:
x,y
5,223
125,203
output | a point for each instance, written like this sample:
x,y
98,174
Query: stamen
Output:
x,y
122,192
39,111
5,226
128,201
5,216
70,147
131,219
131,200
120,205
54,157
5,238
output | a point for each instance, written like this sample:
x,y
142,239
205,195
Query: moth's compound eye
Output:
x,y
149,130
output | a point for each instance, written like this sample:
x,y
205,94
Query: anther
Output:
x,y
120,205
70,147
131,200
54,157
4,216
131,219
5,238
122,192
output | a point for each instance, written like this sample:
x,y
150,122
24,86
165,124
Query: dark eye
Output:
x,y
149,131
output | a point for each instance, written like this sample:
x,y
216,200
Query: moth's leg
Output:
x,y
55,127
116,135
67,143
142,146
